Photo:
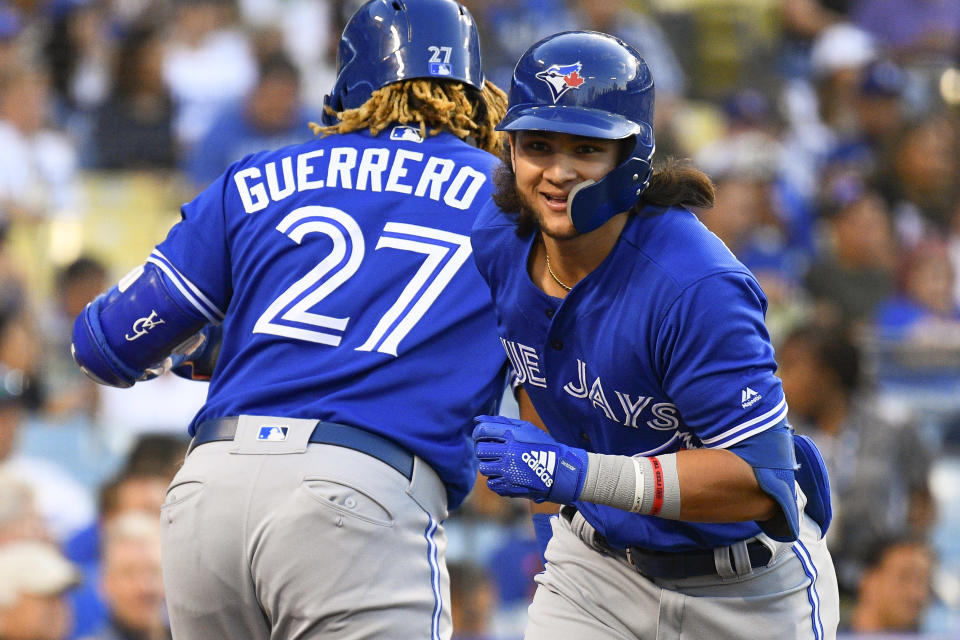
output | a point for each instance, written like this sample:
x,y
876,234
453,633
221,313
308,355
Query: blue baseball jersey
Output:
x,y
341,269
663,347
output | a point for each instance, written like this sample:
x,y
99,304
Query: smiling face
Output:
x,y
549,165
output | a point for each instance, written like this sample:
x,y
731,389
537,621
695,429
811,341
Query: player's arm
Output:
x,y
702,485
528,413
122,335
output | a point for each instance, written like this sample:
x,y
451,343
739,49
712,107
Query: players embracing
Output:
x,y
690,508
334,284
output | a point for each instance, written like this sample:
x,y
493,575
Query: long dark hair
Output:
x,y
673,183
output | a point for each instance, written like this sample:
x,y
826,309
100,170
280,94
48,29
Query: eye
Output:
x,y
536,145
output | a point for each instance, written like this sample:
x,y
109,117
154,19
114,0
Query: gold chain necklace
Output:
x,y
550,271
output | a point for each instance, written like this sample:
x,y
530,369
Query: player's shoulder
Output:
x,y
496,245
675,242
491,219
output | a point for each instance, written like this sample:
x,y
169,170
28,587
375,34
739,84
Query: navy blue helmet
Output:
x,y
588,84
388,41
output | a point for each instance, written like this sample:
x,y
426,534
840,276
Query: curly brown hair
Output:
x,y
435,105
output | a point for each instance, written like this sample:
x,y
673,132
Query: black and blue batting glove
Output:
x,y
522,461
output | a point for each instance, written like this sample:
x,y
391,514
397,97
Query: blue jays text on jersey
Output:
x,y
662,347
342,271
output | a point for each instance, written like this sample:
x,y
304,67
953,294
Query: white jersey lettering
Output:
x,y
254,198
581,390
289,184
398,171
632,409
305,170
342,160
407,172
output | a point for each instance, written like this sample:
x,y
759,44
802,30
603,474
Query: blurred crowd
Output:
x,y
830,128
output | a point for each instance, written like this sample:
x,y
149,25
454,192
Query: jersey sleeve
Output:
x,y
716,361
486,236
195,255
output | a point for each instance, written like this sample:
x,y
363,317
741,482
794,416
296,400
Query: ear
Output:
x,y
513,154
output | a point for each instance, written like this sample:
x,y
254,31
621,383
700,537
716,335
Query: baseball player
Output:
x,y
358,342
640,345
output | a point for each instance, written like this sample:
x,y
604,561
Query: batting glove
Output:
x,y
523,461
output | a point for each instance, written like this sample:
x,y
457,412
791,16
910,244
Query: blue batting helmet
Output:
x,y
392,40
590,84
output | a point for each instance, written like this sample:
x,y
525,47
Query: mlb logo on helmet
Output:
x,y
272,434
440,69
561,78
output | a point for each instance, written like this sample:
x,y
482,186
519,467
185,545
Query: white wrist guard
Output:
x,y
649,486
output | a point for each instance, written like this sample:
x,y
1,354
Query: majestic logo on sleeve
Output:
x,y
561,78
143,325
749,397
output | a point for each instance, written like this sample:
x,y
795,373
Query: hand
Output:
x,y
521,460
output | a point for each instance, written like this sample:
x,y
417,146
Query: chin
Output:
x,y
557,227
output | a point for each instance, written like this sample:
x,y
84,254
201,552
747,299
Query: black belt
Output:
x,y
340,435
674,565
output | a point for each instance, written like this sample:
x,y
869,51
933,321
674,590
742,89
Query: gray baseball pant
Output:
x,y
584,594
325,543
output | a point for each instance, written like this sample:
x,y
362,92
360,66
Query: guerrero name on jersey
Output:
x,y
582,374
252,250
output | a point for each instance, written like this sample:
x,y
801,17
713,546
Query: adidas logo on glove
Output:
x,y
542,463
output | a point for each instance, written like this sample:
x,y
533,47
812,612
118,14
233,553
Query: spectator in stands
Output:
x,y
641,31
133,129
918,329
822,110
894,590
64,502
924,310
38,165
208,63
33,580
78,52
271,116
808,18
131,581
953,247
880,113
20,518
855,271
862,439
11,26
139,488
918,33
473,601
919,177
157,454
508,27
68,391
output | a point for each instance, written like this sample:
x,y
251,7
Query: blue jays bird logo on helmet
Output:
x,y
561,78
